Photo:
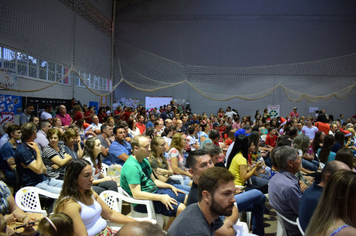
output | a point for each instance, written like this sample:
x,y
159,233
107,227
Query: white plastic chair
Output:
x,y
104,169
161,219
179,178
248,213
114,201
28,199
281,231
300,227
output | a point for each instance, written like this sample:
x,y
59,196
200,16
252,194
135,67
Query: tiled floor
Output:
x,y
270,221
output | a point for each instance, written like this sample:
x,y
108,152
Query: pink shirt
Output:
x,y
65,119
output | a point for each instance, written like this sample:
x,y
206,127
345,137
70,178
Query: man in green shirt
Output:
x,y
138,180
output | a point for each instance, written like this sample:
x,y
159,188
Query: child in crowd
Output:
x,y
271,139
58,224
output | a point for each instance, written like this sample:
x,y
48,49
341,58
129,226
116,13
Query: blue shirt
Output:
x,y
308,204
26,155
149,124
284,196
7,151
115,150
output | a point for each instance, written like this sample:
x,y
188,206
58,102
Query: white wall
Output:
x,y
241,33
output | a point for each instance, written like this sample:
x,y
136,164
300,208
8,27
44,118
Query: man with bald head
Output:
x,y
140,229
311,196
137,179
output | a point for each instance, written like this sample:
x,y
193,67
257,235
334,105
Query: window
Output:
x,y
42,69
22,61
9,57
32,67
29,66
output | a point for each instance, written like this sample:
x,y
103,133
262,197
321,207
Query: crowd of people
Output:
x,y
293,159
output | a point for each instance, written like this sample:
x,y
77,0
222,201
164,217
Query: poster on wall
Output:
x,y
132,102
11,103
95,105
7,117
103,101
8,78
152,102
274,110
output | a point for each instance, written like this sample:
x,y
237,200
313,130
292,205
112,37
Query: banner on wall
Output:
x,y
103,101
7,117
8,78
274,110
95,105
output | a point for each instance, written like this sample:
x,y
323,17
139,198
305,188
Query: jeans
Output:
x,y
106,185
312,165
253,200
260,182
51,185
175,183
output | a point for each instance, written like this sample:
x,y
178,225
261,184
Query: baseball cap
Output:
x,y
215,124
241,132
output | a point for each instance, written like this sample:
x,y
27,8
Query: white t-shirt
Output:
x,y
230,113
191,140
45,115
310,132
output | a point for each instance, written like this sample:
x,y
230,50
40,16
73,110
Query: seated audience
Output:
x,y
54,155
92,151
302,142
160,167
94,128
88,212
133,129
7,151
106,133
324,153
58,224
335,214
339,141
120,149
29,162
57,124
284,190
345,155
41,138
238,165
137,179
72,143
311,196
65,118
271,138
216,197
9,209
175,156
198,161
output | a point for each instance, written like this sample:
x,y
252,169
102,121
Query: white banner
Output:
x,y
8,79
274,110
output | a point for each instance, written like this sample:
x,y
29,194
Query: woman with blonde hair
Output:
x,y
335,213
57,124
175,155
160,167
